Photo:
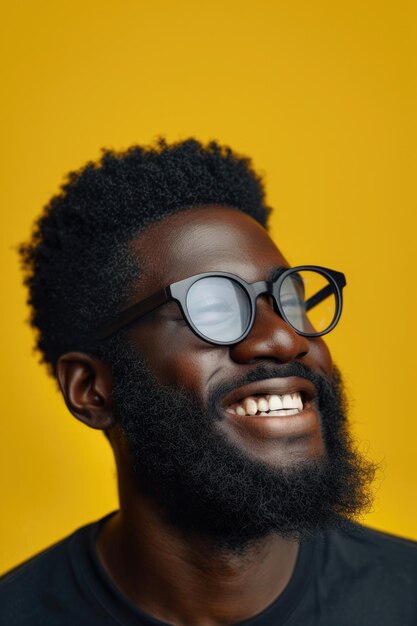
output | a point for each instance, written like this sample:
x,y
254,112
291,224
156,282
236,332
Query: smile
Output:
x,y
275,396
273,405
277,407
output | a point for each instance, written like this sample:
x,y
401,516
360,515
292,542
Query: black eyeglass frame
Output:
x,y
178,291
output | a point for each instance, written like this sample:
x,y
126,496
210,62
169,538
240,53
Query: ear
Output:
x,y
86,384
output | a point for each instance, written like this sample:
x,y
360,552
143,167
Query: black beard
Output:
x,y
205,486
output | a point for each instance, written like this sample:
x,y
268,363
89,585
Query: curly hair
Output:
x,y
77,266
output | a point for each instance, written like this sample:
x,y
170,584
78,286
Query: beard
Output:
x,y
205,486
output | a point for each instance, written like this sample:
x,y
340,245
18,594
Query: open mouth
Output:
x,y
273,405
274,398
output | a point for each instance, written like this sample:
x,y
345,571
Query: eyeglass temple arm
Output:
x,y
326,291
132,313
319,297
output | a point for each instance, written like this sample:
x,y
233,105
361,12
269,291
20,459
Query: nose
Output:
x,y
270,338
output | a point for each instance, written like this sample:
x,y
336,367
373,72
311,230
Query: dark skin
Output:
x,y
188,581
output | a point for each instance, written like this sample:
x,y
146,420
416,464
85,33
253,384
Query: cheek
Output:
x,y
177,357
319,356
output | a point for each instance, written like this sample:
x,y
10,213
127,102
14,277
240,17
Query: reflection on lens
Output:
x,y
308,299
219,308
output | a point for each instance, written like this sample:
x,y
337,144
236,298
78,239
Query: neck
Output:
x,y
189,580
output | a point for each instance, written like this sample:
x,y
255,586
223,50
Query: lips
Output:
x,y
289,425
289,386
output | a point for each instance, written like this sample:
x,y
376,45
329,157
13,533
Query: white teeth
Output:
x,y
275,403
263,404
250,406
287,404
281,413
298,400
287,412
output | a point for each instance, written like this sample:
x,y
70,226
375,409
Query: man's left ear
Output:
x,y
86,384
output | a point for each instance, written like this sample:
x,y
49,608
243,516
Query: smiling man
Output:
x,y
174,324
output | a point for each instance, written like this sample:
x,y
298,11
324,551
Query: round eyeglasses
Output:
x,y
220,307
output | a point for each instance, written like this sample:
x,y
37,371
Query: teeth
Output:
x,y
297,399
287,404
263,404
250,405
275,403
281,413
288,412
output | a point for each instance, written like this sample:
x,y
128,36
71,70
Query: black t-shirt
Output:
x,y
359,577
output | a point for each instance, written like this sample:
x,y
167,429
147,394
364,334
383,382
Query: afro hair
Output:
x,y
77,266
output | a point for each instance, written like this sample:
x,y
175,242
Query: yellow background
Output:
x,y
322,95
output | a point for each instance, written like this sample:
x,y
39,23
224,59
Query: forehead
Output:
x,y
204,239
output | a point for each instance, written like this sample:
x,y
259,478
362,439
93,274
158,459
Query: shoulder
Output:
x,y
365,544
365,576
371,566
45,580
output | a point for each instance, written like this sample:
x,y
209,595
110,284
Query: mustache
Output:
x,y
261,372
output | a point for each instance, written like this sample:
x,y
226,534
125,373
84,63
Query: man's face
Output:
x,y
221,239
229,476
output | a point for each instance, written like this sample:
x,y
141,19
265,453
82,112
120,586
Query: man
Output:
x,y
174,324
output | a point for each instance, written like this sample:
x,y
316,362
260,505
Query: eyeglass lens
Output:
x,y
302,305
220,308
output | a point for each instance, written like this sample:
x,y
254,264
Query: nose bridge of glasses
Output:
x,y
260,288
265,288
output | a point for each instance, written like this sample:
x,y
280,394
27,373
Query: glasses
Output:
x,y
220,307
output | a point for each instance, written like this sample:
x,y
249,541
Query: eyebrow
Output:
x,y
272,272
